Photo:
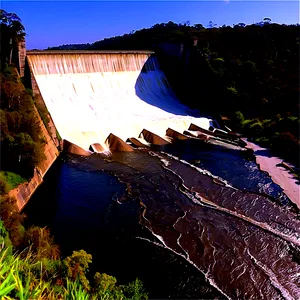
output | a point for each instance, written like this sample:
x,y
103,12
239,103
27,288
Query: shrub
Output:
x,y
42,243
12,179
135,290
12,219
239,118
256,129
4,185
77,266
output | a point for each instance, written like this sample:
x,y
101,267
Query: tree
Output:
x,y
267,20
12,32
199,26
211,24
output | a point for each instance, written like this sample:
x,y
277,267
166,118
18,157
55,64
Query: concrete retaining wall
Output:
x,y
24,191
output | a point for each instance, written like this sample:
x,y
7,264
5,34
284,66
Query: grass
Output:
x,y
12,179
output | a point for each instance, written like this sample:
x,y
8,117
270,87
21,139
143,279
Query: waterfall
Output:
x,y
92,95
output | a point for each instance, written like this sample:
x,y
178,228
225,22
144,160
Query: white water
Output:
x,y
90,96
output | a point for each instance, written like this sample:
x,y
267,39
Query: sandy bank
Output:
x,y
280,175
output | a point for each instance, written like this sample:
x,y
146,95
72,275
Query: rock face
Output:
x,y
117,144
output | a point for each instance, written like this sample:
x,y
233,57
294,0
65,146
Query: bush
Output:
x,y
28,275
239,119
4,185
77,266
256,129
12,219
12,179
42,243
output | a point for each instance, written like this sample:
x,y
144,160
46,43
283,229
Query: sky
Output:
x,y
53,23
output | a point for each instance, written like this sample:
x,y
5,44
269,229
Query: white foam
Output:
x,y
91,96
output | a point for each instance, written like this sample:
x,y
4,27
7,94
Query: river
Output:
x,y
191,220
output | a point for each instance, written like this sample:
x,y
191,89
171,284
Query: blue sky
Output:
x,y
52,23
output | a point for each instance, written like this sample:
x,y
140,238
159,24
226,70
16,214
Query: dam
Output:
x,y
91,95
228,229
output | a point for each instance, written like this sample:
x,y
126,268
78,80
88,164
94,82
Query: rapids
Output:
x,y
241,242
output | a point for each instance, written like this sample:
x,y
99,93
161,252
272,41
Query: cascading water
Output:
x,y
243,243
90,96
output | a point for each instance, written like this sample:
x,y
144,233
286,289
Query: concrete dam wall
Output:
x,y
91,95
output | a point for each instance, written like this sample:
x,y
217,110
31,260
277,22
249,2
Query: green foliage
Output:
x,y
44,114
21,136
76,291
41,242
77,266
279,133
11,180
239,118
12,31
22,277
5,187
12,219
135,290
7,269
4,238
33,274
256,129
105,287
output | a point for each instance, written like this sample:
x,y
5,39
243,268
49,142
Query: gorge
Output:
x,y
196,199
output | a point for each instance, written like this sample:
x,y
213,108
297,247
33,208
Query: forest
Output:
x,y
247,75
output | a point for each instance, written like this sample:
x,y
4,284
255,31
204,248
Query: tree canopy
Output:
x,y
12,32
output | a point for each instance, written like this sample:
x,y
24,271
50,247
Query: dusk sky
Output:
x,y
53,23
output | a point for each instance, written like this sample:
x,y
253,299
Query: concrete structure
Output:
x,y
22,57
24,191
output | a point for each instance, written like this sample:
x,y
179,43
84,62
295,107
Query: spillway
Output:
x,y
93,95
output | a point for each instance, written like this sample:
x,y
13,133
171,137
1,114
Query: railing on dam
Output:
x,y
43,52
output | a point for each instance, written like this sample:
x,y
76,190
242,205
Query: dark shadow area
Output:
x,y
27,76
153,88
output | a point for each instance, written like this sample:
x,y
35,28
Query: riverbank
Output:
x,y
280,175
